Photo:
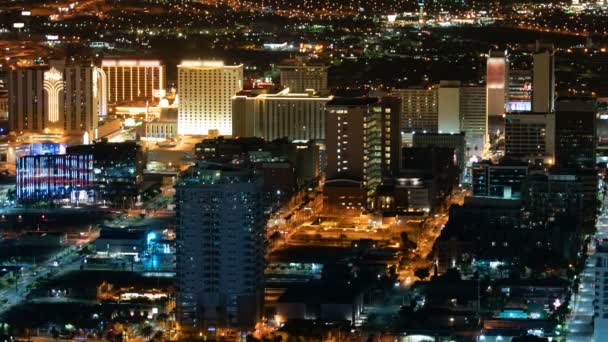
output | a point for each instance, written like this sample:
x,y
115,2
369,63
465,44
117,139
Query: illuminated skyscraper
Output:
x,y
418,109
496,82
59,99
133,79
205,92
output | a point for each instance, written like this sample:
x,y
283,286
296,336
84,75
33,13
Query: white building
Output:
x,y
296,116
206,89
220,256
448,108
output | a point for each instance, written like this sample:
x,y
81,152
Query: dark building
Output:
x,y
575,133
118,169
503,180
454,141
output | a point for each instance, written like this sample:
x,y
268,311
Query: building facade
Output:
x,y
300,76
530,137
575,133
497,75
543,81
220,256
418,109
47,177
205,90
133,79
59,99
295,116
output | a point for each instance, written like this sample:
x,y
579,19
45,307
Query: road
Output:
x,y
580,322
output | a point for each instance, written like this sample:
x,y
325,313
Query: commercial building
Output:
x,y
575,133
363,140
463,109
220,254
530,137
133,79
295,116
300,75
121,241
418,109
66,99
497,76
502,181
3,104
48,177
118,169
520,90
543,81
453,141
206,89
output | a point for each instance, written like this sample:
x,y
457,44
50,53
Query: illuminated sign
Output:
x,y
18,25
53,85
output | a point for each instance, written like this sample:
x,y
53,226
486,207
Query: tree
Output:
x,y
422,273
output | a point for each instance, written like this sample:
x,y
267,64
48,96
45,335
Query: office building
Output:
x,y
67,98
295,116
448,108
453,141
418,109
51,176
300,75
502,181
575,133
133,79
474,119
543,81
520,91
530,137
497,75
205,90
363,140
220,240
118,170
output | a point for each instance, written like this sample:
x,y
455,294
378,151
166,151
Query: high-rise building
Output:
x,y
205,91
363,140
133,79
450,140
299,76
448,107
497,73
474,118
47,177
543,81
296,116
418,109
575,133
220,256
463,109
520,91
530,137
65,99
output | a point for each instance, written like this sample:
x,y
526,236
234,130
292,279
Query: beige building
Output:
x,y
299,76
296,116
205,91
133,79
418,109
